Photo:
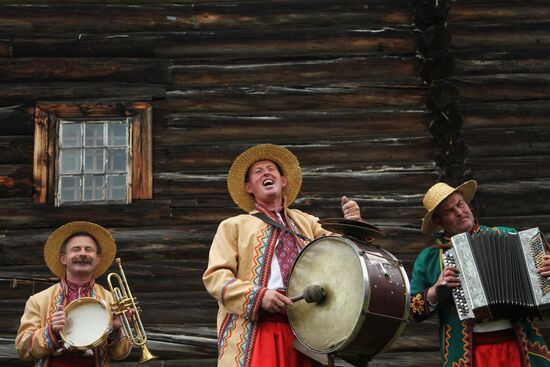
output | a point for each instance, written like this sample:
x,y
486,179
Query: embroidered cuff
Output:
x,y
257,305
53,341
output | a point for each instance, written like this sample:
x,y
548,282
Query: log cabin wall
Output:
x,y
339,83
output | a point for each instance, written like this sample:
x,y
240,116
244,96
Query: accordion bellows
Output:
x,y
498,275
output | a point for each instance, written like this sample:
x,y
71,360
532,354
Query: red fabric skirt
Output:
x,y
273,346
499,348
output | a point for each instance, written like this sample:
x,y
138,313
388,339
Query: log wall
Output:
x,y
339,83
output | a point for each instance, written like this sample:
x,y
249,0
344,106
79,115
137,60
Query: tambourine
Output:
x,y
88,323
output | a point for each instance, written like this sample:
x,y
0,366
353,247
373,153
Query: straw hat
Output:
x,y
283,157
102,237
437,194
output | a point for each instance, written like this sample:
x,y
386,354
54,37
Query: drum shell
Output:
x,y
384,303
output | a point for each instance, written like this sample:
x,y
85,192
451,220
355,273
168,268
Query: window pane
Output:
x,y
116,160
93,135
71,135
70,188
70,160
116,187
118,134
93,187
93,160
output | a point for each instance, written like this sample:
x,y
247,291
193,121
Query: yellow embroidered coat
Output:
x,y
35,339
237,275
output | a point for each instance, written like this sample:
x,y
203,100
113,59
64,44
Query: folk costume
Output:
x,y
246,260
35,338
463,343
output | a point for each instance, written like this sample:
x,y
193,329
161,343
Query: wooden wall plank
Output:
x,y
232,44
135,70
385,70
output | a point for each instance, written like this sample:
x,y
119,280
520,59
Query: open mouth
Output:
x,y
268,182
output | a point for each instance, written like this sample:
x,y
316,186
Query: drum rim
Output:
x,y
84,300
366,296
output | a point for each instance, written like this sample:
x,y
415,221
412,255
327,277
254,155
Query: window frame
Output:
x,y
47,116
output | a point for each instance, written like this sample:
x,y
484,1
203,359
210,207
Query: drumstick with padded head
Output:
x,y
312,294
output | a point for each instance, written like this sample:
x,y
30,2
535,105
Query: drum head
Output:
x,y
88,321
335,264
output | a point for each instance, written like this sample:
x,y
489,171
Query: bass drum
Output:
x,y
88,323
366,304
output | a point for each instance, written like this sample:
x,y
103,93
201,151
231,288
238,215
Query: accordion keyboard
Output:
x,y
459,296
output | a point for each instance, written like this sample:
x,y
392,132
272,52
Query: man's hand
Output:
x,y
448,278
351,210
59,320
117,321
275,302
544,269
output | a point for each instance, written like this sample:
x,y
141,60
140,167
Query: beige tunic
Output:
x,y
35,339
237,276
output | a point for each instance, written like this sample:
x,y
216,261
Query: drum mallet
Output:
x,y
312,294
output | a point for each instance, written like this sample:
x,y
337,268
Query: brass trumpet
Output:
x,y
123,301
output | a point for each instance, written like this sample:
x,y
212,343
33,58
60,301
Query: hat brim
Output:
x,y
283,157
467,189
101,235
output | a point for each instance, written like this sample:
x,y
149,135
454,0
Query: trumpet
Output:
x,y
123,301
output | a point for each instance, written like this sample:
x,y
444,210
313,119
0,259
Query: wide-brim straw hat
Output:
x,y
437,194
283,157
101,235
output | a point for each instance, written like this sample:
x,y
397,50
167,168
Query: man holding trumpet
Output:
x,y
77,253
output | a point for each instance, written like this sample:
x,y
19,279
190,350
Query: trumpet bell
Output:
x,y
146,355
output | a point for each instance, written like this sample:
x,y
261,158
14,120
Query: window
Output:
x,y
86,154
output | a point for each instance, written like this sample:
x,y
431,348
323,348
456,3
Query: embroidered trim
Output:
x,y
224,289
523,342
226,330
446,337
417,304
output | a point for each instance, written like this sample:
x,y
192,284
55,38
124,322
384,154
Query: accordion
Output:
x,y
498,277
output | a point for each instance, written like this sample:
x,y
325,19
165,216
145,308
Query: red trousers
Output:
x,y
499,348
273,346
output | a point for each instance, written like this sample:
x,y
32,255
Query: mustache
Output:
x,y
82,260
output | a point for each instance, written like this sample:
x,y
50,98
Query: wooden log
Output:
x,y
508,142
17,120
513,168
385,70
350,178
499,36
255,100
470,63
481,12
133,244
505,114
30,93
16,150
40,69
5,48
496,88
523,198
176,128
15,181
23,214
372,151
222,44
87,18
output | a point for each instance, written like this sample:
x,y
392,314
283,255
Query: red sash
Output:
x,y
72,360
